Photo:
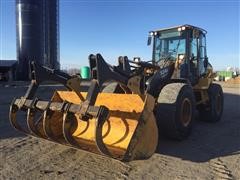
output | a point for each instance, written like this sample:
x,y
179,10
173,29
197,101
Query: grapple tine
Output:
x,y
47,114
13,119
100,120
31,124
68,124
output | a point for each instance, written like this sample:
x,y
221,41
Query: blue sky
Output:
x,y
115,28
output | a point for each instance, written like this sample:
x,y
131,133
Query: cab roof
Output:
x,y
179,26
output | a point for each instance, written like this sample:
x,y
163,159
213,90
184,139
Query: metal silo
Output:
x,y
51,33
37,34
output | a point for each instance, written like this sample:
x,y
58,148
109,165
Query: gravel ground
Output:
x,y
211,152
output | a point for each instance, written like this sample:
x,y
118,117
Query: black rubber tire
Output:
x,y
212,112
168,110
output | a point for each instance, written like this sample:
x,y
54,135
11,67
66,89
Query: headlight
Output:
x,y
136,59
181,28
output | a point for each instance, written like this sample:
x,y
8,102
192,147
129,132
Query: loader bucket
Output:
x,y
130,131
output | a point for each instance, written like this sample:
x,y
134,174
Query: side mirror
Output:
x,y
205,62
149,40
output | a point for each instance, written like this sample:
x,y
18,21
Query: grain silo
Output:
x,y
37,34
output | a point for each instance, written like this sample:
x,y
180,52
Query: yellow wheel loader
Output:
x,y
127,106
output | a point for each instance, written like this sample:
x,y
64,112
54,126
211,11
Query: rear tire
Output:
x,y
212,111
174,111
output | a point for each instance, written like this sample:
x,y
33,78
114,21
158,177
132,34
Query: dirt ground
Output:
x,y
211,152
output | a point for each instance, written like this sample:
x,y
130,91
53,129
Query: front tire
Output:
x,y
174,111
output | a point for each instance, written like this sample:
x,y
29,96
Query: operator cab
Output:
x,y
185,44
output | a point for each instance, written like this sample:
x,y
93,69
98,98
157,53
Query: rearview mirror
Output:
x,y
149,40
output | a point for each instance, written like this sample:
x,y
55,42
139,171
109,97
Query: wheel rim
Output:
x,y
186,112
218,103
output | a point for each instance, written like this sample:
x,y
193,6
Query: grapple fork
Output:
x,y
121,126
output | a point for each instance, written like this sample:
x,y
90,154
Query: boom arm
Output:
x,y
40,74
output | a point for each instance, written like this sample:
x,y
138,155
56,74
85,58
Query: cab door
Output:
x,y
197,55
